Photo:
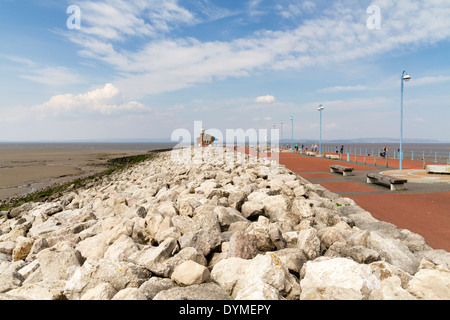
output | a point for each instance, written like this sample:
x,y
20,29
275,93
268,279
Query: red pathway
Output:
x,y
422,208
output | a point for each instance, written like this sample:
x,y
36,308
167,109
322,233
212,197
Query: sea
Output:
x,y
432,152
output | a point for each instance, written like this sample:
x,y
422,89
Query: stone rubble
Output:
x,y
212,229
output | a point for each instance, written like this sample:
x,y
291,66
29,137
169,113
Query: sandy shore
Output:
x,y
22,173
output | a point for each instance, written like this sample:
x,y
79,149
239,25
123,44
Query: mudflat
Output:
x,y
26,172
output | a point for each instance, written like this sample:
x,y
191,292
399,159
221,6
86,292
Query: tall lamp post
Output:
x,y
281,135
292,145
321,108
405,78
274,128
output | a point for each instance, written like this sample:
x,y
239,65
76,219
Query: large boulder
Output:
x,y
430,285
119,275
59,264
393,251
189,273
235,275
337,279
309,242
205,291
152,258
391,289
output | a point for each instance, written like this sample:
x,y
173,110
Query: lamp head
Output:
x,y
406,77
321,107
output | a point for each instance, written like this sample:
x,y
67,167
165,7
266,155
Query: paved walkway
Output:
x,y
423,208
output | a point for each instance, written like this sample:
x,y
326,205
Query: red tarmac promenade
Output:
x,y
423,208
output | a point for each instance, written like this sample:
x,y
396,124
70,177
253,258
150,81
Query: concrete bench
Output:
x,y
346,171
396,184
332,156
438,169
311,153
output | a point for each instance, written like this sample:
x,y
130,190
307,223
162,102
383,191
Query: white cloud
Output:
x,y
428,80
21,60
343,89
53,76
265,99
118,19
162,64
296,9
352,104
104,101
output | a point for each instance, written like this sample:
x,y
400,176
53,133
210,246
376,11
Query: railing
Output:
x,y
440,157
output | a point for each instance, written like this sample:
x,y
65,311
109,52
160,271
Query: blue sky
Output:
x,y
143,69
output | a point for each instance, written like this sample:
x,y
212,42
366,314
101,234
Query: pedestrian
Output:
x,y
342,149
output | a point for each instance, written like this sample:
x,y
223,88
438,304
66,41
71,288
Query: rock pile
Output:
x,y
211,230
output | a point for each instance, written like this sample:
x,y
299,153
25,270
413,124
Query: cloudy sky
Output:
x,y
115,69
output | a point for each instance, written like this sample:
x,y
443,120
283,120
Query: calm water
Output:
x,y
432,152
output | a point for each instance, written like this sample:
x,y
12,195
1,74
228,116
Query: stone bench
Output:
x,y
332,156
310,153
346,171
439,169
396,184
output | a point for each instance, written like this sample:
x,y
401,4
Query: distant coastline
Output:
x,y
286,139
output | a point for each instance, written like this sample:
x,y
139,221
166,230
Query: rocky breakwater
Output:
x,y
216,229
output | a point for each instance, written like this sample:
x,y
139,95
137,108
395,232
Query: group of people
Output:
x,y
340,149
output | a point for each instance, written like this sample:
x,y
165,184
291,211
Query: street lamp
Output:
x,y
405,78
292,145
272,141
321,108
281,135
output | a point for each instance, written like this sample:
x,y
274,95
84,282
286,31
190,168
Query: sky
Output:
x,y
146,69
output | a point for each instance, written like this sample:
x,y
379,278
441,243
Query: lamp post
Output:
x,y
281,135
321,108
292,145
272,141
405,78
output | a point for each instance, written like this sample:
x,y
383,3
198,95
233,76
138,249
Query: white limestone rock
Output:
x,y
393,251
338,278
430,285
103,291
189,273
235,274
391,289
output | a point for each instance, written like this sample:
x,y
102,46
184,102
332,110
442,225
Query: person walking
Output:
x,y
384,154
